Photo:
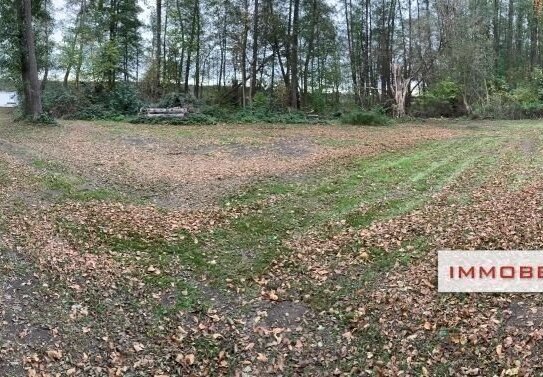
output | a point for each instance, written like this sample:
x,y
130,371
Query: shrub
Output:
x,y
124,100
195,118
91,102
46,119
504,107
179,100
444,99
260,101
523,101
61,101
216,114
217,111
366,118
317,102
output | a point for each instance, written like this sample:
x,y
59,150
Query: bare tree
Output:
x,y
400,90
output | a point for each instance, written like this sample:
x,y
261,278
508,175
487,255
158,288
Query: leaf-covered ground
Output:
x,y
132,250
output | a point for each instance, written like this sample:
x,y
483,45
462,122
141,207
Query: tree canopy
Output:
x,y
427,57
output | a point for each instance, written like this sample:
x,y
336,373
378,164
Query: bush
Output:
x,y
217,114
523,101
124,100
91,102
366,118
442,100
258,113
61,101
46,119
261,101
179,100
500,107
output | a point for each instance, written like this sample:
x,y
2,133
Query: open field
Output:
x,y
133,250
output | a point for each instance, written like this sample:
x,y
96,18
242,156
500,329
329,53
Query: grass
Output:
x,y
385,186
59,183
366,118
360,192
4,176
364,191
318,205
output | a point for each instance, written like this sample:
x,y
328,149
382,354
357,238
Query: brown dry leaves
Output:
x,y
401,316
197,164
421,331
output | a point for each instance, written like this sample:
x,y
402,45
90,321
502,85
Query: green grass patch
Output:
x,y
358,193
364,191
178,294
68,186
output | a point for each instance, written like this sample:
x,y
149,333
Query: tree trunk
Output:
x,y
165,36
509,44
74,44
197,61
158,40
79,64
309,55
255,50
352,60
400,90
244,52
47,50
191,46
32,105
179,71
294,99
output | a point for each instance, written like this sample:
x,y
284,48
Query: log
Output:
x,y
158,110
179,115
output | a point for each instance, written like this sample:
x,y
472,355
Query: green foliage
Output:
x,y
263,115
60,101
218,114
106,61
317,101
505,107
45,119
123,99
91,102
366,118
520,102
444,99
261,101
195,118
179,100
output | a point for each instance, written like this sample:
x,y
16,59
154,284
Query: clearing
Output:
x,y
135,250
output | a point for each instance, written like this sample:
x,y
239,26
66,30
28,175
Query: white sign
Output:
x,y
490,271
8,99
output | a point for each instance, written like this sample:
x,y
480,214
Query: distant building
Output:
x,y
8,99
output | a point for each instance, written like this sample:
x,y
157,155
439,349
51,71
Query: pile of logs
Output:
x,y
159,112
